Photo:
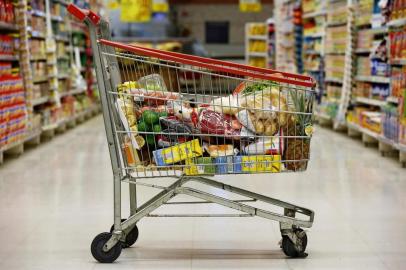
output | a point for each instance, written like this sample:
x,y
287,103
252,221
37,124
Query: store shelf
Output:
x,y
366,131
258,54
335,24
333,80
312,52
400,147
38,58
63,76
397,23
369,101
28,136
315,35
57,18
40,79
398,62
257,37
373,79
379,30
40,101
7,26
61,38
72,92
38,13
378,137
36,34
8,58
63,57
314,14
62,2
363,51
391,99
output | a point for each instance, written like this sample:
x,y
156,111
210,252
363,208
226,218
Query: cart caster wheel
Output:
x,y
292,250
97,249
131,237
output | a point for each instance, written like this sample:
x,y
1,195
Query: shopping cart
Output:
x,y
228,119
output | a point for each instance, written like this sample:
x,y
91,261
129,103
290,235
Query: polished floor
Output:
x,y
54,199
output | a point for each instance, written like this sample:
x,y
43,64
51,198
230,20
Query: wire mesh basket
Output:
x,y
227,119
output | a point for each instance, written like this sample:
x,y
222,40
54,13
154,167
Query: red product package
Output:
x,y
211,122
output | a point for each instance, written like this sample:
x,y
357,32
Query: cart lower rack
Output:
x,y
188,119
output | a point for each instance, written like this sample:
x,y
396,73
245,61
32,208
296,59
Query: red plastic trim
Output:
x,y
81,14
218,65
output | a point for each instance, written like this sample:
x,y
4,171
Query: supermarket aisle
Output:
x,y
52,215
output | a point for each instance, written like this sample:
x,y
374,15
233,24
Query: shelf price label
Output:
x,y
160,6
250,6
136,10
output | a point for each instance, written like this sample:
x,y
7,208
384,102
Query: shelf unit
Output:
x,y
358,80
256,44
334,25
59,91
314,23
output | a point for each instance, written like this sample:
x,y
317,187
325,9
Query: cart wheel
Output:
x,y
131,237
292,250
97,249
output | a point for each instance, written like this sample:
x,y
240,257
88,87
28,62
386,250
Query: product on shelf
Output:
x,y
7,11
390,122
335,66
257,29
364,12
337,12
398,79
8,44
13,110
336,38
398,44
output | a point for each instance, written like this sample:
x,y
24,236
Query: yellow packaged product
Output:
x,y
177,153
261,163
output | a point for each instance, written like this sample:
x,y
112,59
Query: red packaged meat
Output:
x,y
211,122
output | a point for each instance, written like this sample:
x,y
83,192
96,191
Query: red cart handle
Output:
x,y
81,14
217,65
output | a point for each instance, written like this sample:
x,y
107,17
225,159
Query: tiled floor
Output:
x,y
57,197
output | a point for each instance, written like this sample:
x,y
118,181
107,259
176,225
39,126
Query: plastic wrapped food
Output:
x,y
265,146
226,105
211,122
151,97
174,131
220,150
153,82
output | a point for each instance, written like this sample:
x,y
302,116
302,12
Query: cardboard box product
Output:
x,y
225,165
177,153
201,165
258,164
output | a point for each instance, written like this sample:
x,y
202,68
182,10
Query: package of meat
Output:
x,y
153,98
211,122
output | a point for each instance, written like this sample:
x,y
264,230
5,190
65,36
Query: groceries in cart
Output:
x,y
259,127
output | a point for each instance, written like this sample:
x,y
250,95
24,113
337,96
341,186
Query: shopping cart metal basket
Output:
x,y
227,119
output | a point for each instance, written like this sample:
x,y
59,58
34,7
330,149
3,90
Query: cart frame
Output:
x,y
107,247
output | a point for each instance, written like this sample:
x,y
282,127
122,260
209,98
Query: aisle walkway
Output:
x,y
56,198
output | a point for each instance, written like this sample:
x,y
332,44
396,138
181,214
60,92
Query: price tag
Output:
x,y
136,10
250,6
